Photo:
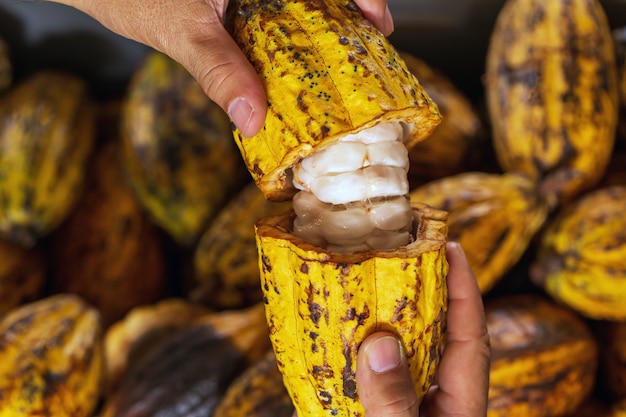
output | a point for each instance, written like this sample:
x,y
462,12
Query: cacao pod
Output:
x,y
257,392
321,305
458,143
188,372
493,216
108,251
327,72
51,360
543,358
141,328
225,260
580,260
178,149
552,93
46,138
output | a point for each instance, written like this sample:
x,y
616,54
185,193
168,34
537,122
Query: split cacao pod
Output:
x,y
552,93
178,149
493,216
580,259
543,358
46,137
51,360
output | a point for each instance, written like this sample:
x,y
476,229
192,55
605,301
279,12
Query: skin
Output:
x,y
463,376
191,32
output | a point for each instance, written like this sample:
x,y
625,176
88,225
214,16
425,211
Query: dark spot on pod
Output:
x,y
323,371
265,300
266,263
348,375
276,290
313,335
315,311
257,170
300,101
334,412
352,6
343,40
325,131
326,397
304,268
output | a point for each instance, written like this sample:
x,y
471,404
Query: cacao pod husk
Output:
x,y
51,360
543,358
178,149
226,268
321,305
493,216
552,93
46,137
580,259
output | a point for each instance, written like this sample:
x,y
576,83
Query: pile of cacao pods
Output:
x,y
129,279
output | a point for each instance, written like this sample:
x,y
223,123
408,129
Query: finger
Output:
x,y
383,378
463,374
377,11
227,77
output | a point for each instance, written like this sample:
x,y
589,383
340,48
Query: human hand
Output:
x,y
463,375
192,33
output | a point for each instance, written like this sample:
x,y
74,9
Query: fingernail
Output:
x,y
240,112
384,354
388,22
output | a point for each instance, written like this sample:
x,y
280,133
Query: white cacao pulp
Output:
x,y
354,192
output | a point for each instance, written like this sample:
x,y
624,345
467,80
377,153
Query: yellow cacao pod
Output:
x,y
327,72
257,392
543,358
321,305
493,216
457,144
109,251
51,360
552,93
225,260
580,260
46,137
178,149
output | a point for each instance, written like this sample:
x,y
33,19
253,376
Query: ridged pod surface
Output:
x,y
225,260
552,93
493,216
327,72
51,361
580,261
178,149
543,358
321,305
188,372
46,138
109,251
457,144
257,392
6,69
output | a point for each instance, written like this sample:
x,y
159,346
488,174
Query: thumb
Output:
x,y
383,379
228,78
